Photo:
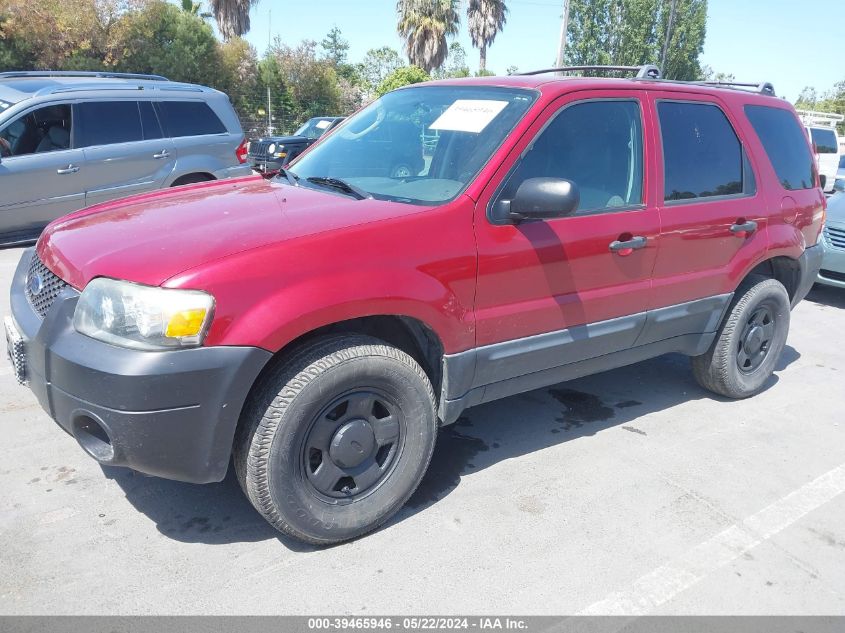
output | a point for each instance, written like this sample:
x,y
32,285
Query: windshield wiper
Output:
x,y
342,185
291,177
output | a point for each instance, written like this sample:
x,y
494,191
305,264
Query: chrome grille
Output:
x,y
835,236
48,289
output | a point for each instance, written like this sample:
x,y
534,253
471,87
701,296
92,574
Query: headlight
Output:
x,y
142,317
272,148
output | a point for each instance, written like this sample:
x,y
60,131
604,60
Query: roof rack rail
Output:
x,y
647,71
826,119
77,73
764,88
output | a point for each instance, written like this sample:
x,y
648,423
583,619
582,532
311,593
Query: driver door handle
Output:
x,y
70,169
163,154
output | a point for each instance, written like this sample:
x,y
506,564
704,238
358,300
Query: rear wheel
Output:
x,y
750,341
337,438
191,179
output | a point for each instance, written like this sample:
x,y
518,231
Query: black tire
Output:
x,y
191,179
309,399
733,366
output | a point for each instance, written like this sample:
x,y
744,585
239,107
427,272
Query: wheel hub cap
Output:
x,y
754,341
352,444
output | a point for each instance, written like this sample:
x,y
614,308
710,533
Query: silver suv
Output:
x,y
72,139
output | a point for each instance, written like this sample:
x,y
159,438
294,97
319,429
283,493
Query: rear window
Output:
x,y
108,122
824,140
190,118
785,144
702,155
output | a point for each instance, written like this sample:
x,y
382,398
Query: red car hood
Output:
x,y
152,237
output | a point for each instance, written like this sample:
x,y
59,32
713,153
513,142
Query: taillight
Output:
x,y
242,151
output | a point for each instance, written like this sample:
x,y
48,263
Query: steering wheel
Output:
x,y
347,133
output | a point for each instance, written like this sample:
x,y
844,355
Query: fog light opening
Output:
x,y
93,438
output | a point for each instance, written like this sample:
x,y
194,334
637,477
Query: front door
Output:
x,y
583,281
40,171
124,149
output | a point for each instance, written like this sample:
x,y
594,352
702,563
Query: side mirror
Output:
x,y
839,185
544,199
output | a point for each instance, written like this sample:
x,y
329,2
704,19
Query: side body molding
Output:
x,y
503,369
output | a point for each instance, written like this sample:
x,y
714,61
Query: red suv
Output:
x,y
321,325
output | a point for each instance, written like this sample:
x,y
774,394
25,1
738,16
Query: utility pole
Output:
x,y
564,27
669,27
269,101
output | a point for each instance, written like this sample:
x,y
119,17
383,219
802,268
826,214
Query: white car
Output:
x,y
821,129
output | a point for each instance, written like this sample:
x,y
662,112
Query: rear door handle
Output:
x,y
162,154
744,227
627,246
70,169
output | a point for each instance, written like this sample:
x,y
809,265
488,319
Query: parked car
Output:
x,y
74,139
320,326
832,271
821,130
272,152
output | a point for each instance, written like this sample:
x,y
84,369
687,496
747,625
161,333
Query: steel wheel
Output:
x,y
352,446
756,339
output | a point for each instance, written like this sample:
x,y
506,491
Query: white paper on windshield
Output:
x,y
468,115
322,125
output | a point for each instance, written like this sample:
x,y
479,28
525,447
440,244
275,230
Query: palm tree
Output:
x,y
485,19
424,25
232,16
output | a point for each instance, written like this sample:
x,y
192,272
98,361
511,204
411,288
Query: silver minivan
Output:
x,y
72,139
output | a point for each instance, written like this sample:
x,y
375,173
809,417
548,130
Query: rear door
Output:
x,y
713,217
41,173
565,277
125,149
200,139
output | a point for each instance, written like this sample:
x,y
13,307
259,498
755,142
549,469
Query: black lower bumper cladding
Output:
x,y
171,414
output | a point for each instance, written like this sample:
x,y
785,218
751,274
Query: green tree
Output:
x,y
195,8
165,40
402,77
377,64
335,47
485,19
832,101
457,63
312,83
424,25
634,32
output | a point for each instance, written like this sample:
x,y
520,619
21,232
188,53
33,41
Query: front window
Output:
x,y
46,129
420,145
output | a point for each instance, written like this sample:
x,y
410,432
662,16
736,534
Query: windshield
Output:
x,y
313,128
420,145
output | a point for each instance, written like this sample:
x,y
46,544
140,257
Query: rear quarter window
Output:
x,y
785,144
190,118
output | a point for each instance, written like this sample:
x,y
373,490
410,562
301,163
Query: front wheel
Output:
x,y
749,343
336,438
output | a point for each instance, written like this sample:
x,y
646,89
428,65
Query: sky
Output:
x,y
779,41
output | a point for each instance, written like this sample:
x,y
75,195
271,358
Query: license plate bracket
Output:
x,y
16,349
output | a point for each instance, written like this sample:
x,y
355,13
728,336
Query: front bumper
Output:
x,y
808,271
171,414
832,271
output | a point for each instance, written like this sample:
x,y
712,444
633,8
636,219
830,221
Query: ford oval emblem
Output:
x,y
35,284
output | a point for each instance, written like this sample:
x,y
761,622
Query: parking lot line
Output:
x,y
667,581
